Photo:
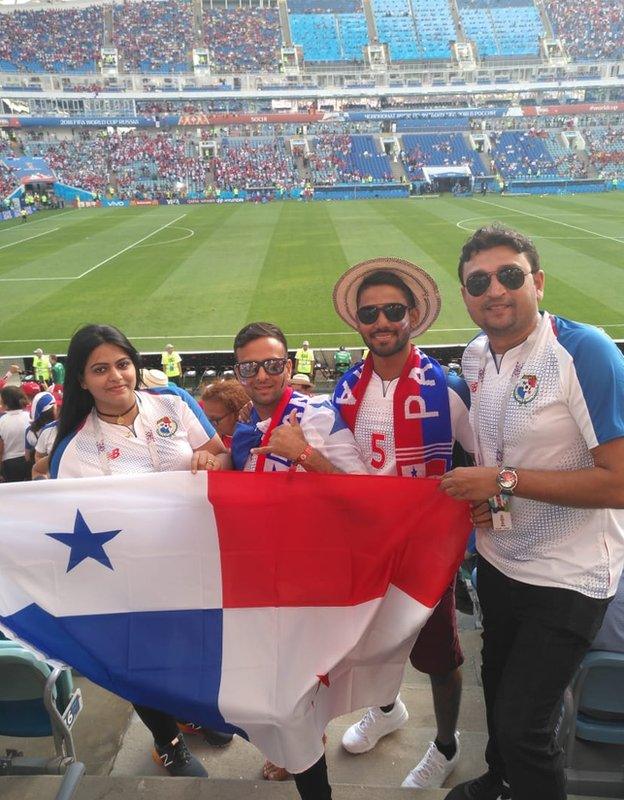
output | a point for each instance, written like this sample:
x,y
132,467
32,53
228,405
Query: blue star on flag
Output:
x,y
84,543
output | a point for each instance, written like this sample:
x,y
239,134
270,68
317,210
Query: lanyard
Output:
x,y
100,443
526,353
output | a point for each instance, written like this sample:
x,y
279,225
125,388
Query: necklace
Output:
x,y
120,417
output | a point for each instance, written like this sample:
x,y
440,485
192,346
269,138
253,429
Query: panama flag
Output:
x,y
261,604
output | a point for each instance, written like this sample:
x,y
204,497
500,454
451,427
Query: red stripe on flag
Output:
x,y
293,539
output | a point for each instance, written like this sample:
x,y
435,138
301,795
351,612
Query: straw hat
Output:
x,y
422,285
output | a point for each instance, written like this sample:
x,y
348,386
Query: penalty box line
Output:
x,y
99,264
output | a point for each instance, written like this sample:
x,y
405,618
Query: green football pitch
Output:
x,y
194,275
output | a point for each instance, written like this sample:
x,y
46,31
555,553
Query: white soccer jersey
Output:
x,y
324,429
46,438
374,426
564,400
176,422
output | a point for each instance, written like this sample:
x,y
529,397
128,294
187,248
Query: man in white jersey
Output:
x,y
405,413
548,417
287,430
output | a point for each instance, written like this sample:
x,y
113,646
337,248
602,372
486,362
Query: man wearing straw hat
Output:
x,y
405,413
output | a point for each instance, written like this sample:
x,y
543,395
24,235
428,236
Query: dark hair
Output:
x,y
384,277
13,398
43,419
497,235
259,330
230,393
78,402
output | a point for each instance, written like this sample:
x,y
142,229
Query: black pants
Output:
x,y
313,784
534,638
163,727
16,469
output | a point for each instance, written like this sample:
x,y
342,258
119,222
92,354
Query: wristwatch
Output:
x,y
507,480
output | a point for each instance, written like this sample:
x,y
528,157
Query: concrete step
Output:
x,y
108,788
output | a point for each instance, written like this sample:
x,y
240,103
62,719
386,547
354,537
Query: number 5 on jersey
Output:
x,y
379,454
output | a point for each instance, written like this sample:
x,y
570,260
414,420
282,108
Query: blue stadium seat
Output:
x,y
318,36
435,27
598,692
594,712
33,697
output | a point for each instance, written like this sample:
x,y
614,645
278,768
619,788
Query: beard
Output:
x,y
389,348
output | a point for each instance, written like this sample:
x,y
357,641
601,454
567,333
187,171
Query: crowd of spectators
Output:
x,y
253,164
591,29
153,36
7,180
329,161
606,150
52,40
243,39
134,163
143,164
518,156
82,162
152,162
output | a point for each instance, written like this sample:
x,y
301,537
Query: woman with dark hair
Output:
x,y
41,432
13,424
107,425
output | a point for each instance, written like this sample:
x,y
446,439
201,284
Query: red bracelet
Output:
x,y
304,455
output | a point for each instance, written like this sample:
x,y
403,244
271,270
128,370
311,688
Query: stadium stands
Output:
x,y
606,150
502,27
82,162
438,150
153,36
253,163
591,29
243,39
522,155
325,6
435,27
330,37
569,163
51,40
7,182
395,27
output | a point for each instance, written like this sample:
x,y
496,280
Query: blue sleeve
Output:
x,y
55,461
599,367
459,386
190,402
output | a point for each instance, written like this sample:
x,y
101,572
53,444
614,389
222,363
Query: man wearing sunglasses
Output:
x,y
548,417
287,430
405,413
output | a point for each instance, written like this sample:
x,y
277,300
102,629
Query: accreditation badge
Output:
x,y
500,506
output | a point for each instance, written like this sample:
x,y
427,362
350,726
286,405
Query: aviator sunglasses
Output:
x,y
393,312
272,366
510,277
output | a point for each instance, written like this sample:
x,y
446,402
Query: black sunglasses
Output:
x,y
510,277
393,312
249,369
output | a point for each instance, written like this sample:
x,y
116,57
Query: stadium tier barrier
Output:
x,y
364,191
557,186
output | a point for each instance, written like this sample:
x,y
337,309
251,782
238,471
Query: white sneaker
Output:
x,y
433,769
364,735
